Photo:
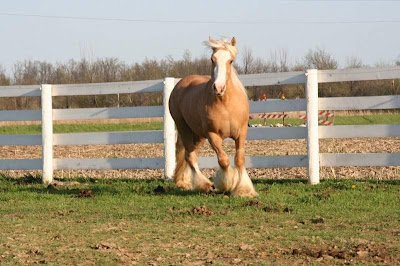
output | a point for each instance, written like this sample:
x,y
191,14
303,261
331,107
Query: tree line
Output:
x,y
88,70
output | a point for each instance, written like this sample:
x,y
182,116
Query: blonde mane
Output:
x,y
221,44
236,80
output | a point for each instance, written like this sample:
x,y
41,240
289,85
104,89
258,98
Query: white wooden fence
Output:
x,y
313,160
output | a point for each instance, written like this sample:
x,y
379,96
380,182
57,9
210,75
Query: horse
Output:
x,y
212,107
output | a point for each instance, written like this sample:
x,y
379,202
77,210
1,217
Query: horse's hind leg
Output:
x,y
192,178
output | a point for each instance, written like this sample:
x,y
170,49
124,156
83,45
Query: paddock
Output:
x,y
104,213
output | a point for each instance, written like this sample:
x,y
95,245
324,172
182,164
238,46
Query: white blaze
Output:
x,y
222,56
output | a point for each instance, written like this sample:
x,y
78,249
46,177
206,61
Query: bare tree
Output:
x,y
283,60
354,62
247,61
278,61
298,66
320,59
4,79
383,63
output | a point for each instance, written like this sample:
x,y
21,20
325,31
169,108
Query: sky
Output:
x,y
134,30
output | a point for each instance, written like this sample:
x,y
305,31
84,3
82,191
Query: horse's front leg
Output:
x,y
245,187
226,178
199,181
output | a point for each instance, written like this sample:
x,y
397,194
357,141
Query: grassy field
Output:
x,y
151,222
93,127
341,120
75,128
104,222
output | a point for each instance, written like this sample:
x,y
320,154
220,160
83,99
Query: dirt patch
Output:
x,y
270,208
252,203
325,194
101,246
85,193
203,210
371,253
279,208
196,210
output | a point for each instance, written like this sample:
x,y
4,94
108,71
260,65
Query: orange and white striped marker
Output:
x,y
325,122
272,116
303,117
322,121
326,114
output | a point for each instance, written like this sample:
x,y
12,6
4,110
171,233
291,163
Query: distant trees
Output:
x,y
354,62
320,59
277,62
4,79
112,69
89,70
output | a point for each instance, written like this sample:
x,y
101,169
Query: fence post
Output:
x,y
312,125
47,133
169,131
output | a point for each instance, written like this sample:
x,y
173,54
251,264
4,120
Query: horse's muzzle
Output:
x,y
219,90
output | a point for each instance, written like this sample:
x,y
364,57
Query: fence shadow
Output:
x,y
91,187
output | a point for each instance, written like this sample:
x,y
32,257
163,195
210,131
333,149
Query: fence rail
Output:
x,y
273,105
313,159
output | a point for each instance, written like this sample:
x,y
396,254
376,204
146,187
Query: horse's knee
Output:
x,y
223,161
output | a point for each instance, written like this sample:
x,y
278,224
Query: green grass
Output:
x,y
92,127
75,128
127,221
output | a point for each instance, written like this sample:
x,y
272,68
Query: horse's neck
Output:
x,y
234,86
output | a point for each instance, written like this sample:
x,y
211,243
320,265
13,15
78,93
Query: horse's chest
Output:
x,y
224,122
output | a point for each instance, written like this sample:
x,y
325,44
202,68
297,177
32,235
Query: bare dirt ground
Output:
x,y
276,147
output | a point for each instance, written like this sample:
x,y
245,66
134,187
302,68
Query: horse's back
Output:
x,y
189,86
192,81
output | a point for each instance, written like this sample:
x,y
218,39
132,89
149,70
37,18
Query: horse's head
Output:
x,y
222,57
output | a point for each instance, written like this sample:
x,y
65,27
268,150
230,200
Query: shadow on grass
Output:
x,y
279,181
91,187
156,187
25,180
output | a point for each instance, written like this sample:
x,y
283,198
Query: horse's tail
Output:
x,y
181,163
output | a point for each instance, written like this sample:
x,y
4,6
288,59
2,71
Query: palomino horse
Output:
x,y
212,107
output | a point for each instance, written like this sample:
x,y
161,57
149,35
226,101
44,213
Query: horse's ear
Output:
x,y
211,39
233,41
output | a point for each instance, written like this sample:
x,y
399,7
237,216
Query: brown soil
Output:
x,y
364,252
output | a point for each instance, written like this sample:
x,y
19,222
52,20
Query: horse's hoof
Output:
x,y
206,187
184,185
248,193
